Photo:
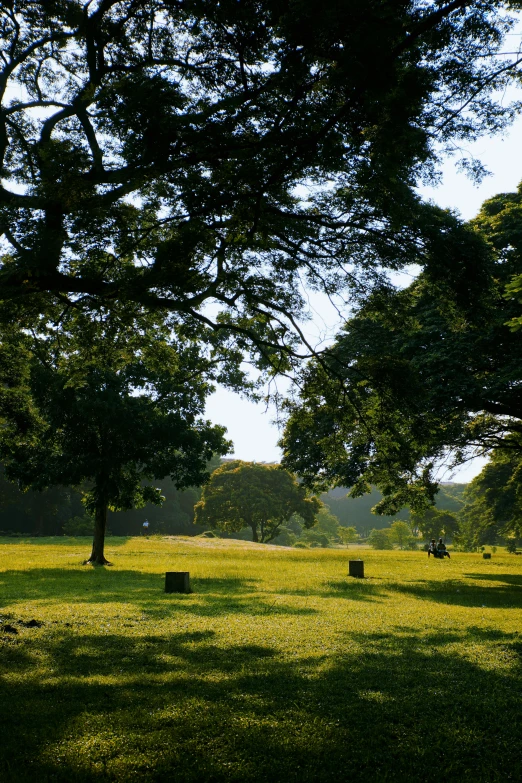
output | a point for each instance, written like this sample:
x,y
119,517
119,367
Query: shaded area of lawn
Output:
x,y
211,596
184,707
216,595
504,592
508,579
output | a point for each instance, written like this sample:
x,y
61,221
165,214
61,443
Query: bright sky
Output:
x,y
250,426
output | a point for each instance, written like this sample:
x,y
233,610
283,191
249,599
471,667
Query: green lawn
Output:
x,y
279,667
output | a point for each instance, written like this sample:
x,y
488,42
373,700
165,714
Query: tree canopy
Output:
x,y
261,497
421,378
211,158
108,403
434,523
493,505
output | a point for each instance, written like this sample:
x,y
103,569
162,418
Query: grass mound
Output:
x,y
278,667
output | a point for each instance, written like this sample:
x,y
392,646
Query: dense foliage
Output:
x,y
36,513
59,510
181,153
421,378
493,510
434,523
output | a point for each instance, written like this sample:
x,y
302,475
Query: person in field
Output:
x,y
432,548
441,549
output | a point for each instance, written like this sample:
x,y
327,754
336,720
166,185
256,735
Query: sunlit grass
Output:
x,y
277,667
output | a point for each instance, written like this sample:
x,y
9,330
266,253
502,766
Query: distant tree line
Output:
x,y
358,511
488,511
338,518
59,511
485,512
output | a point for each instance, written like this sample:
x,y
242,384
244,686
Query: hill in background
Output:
x,y
357,512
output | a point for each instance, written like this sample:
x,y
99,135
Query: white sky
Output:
x,y
250,426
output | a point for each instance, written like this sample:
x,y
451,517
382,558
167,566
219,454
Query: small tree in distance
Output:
x,y
380,539
261,497
348,535
400,533
328,523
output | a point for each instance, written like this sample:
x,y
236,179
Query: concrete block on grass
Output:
x,y
356,568
177,582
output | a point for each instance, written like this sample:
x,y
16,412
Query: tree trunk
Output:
x,y
254,533
271,534
100,523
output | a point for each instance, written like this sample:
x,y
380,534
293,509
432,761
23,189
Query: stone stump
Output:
x,y
356,568
177,582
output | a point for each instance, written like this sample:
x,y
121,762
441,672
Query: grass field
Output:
x,y
279,667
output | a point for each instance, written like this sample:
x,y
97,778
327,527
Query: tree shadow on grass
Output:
x,y
184,706
132,658
509,579
232,584
234,595
353,589
144,591
455,592
100,585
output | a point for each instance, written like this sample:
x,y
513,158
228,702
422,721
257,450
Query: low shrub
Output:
x,y
380,539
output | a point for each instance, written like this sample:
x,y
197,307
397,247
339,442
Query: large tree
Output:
x,y
420,379
493,506
185,153
261,497
109,401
